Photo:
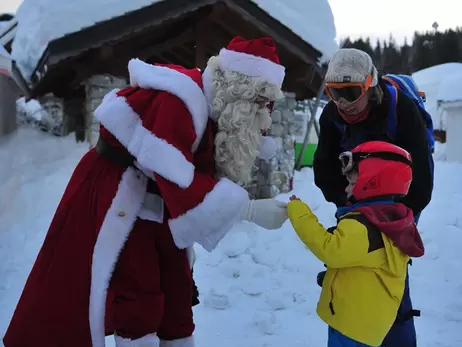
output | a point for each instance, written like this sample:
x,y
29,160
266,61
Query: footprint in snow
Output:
x,y
216,301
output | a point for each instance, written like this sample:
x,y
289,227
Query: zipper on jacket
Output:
x,y
331,306
331,302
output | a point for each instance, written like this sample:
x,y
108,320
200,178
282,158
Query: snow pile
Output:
x,y
33,113
311,20
430,81
42,21
259,287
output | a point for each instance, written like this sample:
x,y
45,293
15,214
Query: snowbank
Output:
x,y
259,287
41,21
430,81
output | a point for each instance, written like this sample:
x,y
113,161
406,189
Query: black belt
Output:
x,y
115,155
121,158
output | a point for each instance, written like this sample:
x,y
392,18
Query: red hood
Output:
x,y
397,222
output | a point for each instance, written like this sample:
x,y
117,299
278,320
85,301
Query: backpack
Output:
x,y
408,87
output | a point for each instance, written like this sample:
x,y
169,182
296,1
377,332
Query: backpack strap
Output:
x,y
392,120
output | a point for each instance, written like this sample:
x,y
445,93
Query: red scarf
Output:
x,y
350,118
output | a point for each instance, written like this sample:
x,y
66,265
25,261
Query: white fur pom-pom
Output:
x,y
268,148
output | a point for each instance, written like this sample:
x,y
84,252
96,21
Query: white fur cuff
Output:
x,y
208,222
184,342
150,340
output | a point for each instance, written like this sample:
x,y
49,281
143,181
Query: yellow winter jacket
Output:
x,y
364,283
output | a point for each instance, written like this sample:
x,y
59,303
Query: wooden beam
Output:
x,y
182,58
184,37
201,42
298,72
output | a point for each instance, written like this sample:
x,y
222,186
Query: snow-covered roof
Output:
x,y
8,31
450,89
311,20
3,24
4,52
42,21
435,81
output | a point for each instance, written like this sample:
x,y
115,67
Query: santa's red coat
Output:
x,y
163,122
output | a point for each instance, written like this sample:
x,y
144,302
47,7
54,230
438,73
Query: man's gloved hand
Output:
x,y
320,278
191,254
267,213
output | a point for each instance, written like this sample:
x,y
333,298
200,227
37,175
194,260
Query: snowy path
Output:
x,y
258,288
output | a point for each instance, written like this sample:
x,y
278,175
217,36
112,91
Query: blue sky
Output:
x,y
373,18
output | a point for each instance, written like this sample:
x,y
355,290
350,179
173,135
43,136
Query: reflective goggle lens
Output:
x,y
350,93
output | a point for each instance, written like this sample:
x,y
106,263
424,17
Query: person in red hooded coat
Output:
x,y
175,149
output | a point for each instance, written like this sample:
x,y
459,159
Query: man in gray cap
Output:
x,y
363,107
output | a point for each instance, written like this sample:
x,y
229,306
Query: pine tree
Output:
x,y
378,55
427,49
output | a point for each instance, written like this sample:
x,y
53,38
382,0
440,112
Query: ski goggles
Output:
x,y
350,160
350,91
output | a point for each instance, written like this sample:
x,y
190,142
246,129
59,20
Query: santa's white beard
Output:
x,y
238,139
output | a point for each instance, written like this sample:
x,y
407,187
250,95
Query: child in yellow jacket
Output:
x,y
366,254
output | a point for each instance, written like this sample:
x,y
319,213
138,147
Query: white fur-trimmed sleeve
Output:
x,y
209,221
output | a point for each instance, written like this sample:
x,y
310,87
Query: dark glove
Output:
x,y
195,296
320,278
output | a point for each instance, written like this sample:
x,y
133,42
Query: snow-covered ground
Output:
x,y
259,287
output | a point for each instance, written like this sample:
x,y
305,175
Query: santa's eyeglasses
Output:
x,y
350,160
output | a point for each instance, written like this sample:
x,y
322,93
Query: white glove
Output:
x,y
191,253
267,213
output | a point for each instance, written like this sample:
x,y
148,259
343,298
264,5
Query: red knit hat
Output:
x,y
255,58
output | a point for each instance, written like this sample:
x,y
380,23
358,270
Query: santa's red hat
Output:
x,y
255,58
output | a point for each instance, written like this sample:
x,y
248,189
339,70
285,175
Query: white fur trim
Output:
x,y
184,342
163,78
207,78
209,222
116,227
151,152
150,340
268,148
251,65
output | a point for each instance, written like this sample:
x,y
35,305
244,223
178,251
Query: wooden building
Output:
x,y
185,32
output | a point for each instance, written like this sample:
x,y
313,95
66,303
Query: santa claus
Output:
x,y
175,149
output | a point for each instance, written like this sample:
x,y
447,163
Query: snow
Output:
x,y
311,20
259,287
41,21
4,24
450,89
437,83
53,19
4,53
